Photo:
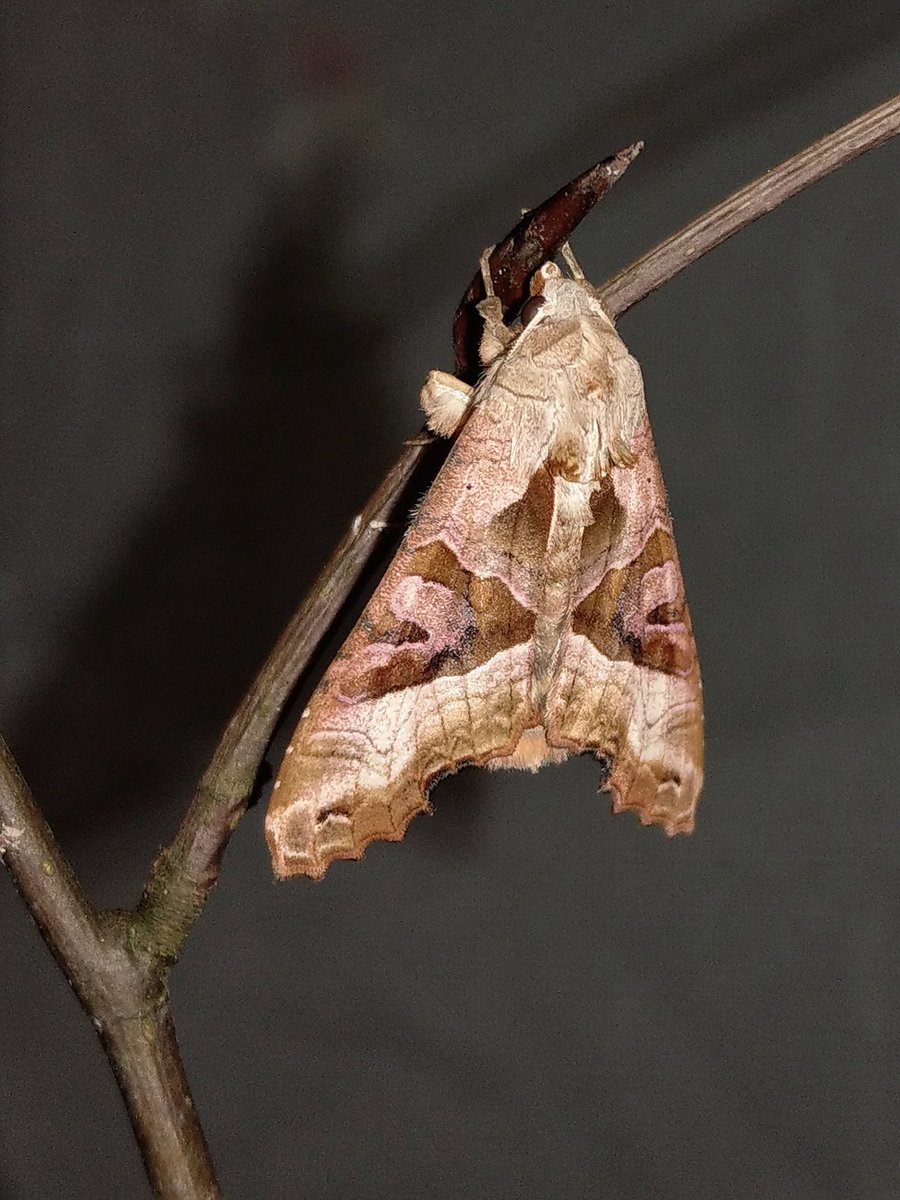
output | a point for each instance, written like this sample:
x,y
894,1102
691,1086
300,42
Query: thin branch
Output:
x,y
42,875
121,990
735,212
143,1051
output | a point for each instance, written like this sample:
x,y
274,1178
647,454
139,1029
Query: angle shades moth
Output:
x,y
535,608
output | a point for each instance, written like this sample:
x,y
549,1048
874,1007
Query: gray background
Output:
x,y
234,237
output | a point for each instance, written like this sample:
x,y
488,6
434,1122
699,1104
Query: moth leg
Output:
x,y
572,262
446,400
496,336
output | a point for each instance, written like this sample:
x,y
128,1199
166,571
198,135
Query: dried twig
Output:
x,y
537,237
122,988
118,962
744,206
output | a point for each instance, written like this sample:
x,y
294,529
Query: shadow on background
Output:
x,y
275,464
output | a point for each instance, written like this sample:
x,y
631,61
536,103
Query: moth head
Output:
x,y
554,294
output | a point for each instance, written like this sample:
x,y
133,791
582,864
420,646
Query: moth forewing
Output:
x,y
535,608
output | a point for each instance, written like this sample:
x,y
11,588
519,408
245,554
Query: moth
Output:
x,y
535,608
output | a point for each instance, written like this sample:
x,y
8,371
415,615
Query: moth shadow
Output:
x,y
284,443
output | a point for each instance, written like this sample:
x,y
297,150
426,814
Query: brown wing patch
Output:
x,y
438,619
519,532
639,613
605,532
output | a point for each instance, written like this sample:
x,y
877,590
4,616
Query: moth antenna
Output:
x,y
572,262
486,270
495,336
